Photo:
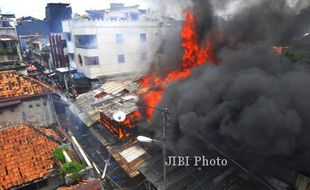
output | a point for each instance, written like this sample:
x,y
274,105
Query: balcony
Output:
x,y
7,31
8,54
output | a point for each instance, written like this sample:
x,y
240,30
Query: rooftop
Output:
x,y
89,184
110,97
15,86
26,154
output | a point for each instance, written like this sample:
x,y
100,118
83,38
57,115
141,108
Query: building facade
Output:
x,y
25,99
107,48
54,14
10,58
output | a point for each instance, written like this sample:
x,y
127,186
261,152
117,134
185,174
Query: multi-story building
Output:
x,y
10,58
54,14
117,45
33,35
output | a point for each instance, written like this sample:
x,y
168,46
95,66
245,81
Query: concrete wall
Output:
x,y
108,49
32,110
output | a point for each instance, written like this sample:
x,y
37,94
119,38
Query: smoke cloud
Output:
x,y
254,102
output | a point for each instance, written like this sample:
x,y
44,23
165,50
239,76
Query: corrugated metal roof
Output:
x,y
110,97
130,157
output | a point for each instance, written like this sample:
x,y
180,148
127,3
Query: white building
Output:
x,y
108,48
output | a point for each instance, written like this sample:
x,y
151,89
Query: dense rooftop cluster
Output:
x,y
26,154
15,85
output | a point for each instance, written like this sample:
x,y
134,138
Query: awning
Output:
x,y
65,69
7,38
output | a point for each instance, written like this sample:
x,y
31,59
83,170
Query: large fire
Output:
x,y
195,54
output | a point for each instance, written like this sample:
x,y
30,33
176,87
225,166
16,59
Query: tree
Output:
x,y
296,57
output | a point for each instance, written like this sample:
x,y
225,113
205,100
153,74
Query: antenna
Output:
x,y
119,116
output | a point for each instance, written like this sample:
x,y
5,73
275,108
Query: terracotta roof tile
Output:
x,y
26,155
14,85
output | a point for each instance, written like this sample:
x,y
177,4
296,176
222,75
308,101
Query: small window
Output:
x,y
69,37
143,56
119,38
38,105
91,60
86,41
142,37
72,57
30,106
80,60
121,58
64,43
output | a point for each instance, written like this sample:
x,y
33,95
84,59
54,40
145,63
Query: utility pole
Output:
x,y
164,116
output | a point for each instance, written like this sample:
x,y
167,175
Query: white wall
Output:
x,y
108,49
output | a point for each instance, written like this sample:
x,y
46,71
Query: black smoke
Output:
x,y
274,22
254,103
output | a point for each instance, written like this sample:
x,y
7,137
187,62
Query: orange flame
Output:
x,y
121,130
195,55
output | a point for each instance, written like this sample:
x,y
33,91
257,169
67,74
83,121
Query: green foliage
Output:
x,y
73,169
296,57
58,154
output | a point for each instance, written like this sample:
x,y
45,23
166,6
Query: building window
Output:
x,y
69,37
91,60
72,57
121,58
143,56
119,38
86,41
80,60
142,37
64,43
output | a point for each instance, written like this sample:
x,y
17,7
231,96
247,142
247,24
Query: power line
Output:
x,y
235,162
206,141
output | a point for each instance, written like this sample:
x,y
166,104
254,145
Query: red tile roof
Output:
x,y
14,85
90,184
26,155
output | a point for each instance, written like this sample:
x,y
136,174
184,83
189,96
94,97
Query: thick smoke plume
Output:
x,y
276,22
254,101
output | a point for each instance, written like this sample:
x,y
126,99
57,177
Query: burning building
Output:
x,y
249,102
96,108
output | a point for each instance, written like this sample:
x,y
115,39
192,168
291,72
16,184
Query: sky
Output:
x,y
36,8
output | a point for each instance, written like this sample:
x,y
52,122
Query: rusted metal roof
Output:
x,y
89,184
129,156
110,97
